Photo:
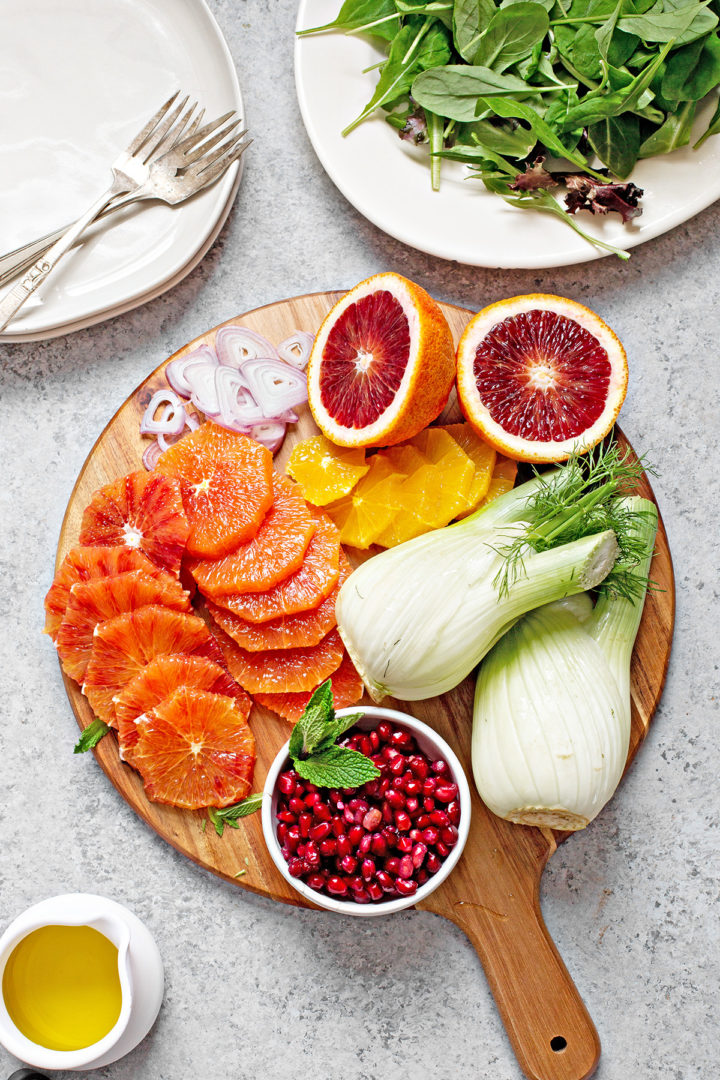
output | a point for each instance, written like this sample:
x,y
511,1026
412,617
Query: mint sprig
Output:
x,y
229,815
91,736
313,748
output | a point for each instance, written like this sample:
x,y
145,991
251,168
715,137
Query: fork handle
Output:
x,y
44,266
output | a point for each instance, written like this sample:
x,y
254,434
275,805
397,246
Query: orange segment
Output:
x,y
86,564
226,487
287,632
304,589
441,501
275,552
140,511
363,514
124,645
195,750
325,472
503,479
483,458
382,365
280,671
93,602
158,680
347,689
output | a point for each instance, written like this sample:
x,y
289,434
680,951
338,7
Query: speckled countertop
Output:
x,y
258,991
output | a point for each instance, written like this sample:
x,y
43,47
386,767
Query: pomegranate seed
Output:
x,y
309,786
384,730
421,877
320,831
312,855
432,864
348,816
429,785
322,812
355,834
297,867
286,783
415,835
362,897
356,884
365,746
418,855
449,835
316,881
411,805
404,844
413,786
384,785
428,804
387,813
439,817
365,844
338,826
293,837
348,864
359,804
287,816
329,846
401,738
379,845
371,788
334,796
304,823
372,819
405,870
419,766
406,887
453,812
390,834
282,830
368,869
402,820
395,799
348,791
384,881
392,865
374,739
312,799
296,805
344,847
445,793
442,849
440,767
337,886
397,767
430,835
375,891
422,821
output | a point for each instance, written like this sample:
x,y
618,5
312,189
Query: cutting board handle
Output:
x,y
546,1020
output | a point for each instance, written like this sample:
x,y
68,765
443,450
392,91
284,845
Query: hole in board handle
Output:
x,y
558,1043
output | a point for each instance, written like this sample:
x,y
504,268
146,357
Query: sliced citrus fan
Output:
x,y
93,602
195,750
124,645
86,564
276,551
158,680
142,510
382,365
325,472
347,689
483,457
287,632
454,473
304,589
370,507
226,487
281,671
540,377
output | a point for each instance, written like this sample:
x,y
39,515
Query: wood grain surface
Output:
x,y
493,893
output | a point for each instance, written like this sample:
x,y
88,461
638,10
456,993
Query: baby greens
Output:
x,y
500,84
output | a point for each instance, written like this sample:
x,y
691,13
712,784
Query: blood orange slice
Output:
x,y
195,750
540,377
287,632
86,564
158,680
124,645
382,365
93,602
142,511
273,554
282,671
304,589
226,487
347,689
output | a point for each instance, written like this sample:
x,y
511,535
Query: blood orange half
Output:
x,y
195,750
141,511
382,365
540,377
347,689
282,671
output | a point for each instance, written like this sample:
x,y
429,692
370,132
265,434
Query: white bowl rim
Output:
x,y
349,907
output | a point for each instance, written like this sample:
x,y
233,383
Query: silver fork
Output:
x,y
181,171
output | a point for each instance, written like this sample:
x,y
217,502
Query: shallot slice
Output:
x,y
175,371
191,424
238,409
270,434
200,377
151,455
172,418
234,344
296,349
275,385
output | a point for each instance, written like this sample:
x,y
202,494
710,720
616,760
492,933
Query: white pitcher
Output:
x,y
140,972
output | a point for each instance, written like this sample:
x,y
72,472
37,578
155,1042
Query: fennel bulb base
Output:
x,y
548,818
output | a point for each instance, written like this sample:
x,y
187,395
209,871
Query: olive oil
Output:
x,y
61,986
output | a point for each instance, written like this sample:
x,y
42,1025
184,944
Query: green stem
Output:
x,y
435,135
404,64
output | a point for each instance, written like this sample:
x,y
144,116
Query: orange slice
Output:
x,y
503,479
483,458
86,564
325,472
347,689
382,365
93,602
158,680
124,645
195,750
275,552
226,487
363,514
281,671
540,377
304,589
289,631
141,511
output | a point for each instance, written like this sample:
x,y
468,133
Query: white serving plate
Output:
x,y
78,80
388,180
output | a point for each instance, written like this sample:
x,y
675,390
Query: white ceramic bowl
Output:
x,y
431,744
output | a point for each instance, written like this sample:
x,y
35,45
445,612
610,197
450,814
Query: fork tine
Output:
x,y
178,130
222,157
151,125
189,143
204,148
194,126
161,131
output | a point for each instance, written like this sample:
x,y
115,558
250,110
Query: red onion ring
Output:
x,y
172,417
296,349
175,370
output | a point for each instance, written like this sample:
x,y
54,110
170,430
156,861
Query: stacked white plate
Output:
x,y
78,80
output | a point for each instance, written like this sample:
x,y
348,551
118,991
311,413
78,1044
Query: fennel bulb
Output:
x,y
551,724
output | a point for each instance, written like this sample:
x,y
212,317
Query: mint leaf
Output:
x,y
91,736
229,815
311,728
337,767
336,728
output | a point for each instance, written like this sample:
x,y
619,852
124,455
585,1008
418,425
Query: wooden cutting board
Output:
x,y
493,893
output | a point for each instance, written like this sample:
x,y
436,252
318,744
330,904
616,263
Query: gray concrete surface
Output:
x,y
257,991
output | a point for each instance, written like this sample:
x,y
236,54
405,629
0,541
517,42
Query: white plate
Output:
x,y
78,79
388,180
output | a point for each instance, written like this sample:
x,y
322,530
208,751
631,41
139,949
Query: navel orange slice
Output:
x,y
347,689
540,377
304,589
93,602
276,551
370,507
281,671
158,680
86,564
141,511
195,750
503,479
482,455
226,482
382,364
124,645
325,472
